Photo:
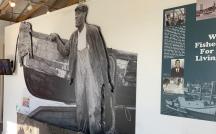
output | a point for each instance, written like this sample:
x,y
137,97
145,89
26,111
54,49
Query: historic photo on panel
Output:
x,y
92,87
205,9
175,17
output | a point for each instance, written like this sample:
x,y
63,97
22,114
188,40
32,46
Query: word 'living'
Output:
x,y
206,49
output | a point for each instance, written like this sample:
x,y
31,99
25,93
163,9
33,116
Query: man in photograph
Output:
x,y
89,71
168,20
177,71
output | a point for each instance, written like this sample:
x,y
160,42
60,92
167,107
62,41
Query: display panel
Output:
x,y
189,62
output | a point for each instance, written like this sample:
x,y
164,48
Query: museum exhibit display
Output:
x,y
69,71
188,80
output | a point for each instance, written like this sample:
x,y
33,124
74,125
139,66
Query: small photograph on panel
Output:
x,y
175,17
173,85
177,68
205,9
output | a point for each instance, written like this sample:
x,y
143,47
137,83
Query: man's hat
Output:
x,y
81,8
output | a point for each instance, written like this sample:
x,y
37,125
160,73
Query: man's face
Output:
x,y
80,18
177,63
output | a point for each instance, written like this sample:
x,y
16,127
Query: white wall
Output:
x,y
3,24
134,25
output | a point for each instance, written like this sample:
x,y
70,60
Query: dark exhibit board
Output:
x,y
188,80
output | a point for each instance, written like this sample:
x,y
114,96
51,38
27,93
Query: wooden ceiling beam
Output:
x,y
51,7
28,14
4,4
7,19
4,11
4,7
72,2
20,14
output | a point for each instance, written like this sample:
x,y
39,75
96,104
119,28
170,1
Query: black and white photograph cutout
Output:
x,y
96,85
205,9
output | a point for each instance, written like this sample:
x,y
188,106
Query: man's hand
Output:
x,y
53,36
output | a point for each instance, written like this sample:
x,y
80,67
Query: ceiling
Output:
x,y
25,9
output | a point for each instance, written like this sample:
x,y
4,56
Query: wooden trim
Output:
x,y
23,11
72,2
4,4
28,14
